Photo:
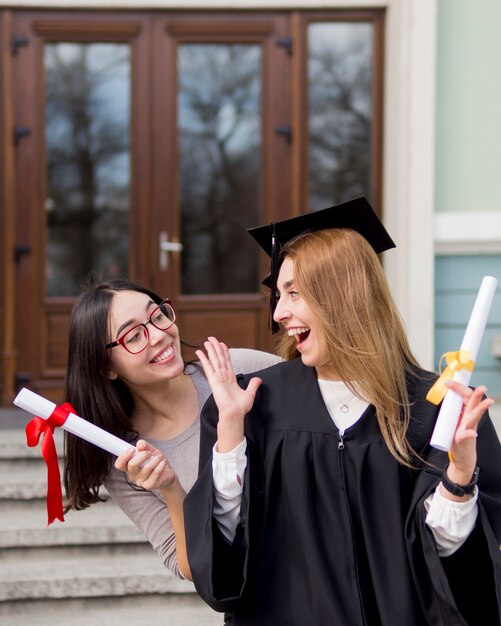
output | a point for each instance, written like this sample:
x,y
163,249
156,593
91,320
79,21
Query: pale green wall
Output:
x,y
456,286
468,122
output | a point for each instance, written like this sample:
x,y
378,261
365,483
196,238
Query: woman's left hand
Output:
x,y
146,467
463,452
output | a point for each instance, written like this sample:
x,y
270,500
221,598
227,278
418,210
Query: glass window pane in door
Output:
x,y
340,111
87,120
219,117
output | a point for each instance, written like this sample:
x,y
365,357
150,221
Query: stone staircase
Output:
x,y
96,568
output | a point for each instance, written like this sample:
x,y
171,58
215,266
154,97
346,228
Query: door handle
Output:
x,y
165,246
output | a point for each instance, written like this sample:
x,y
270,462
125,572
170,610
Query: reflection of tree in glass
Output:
x,y
340,76
220,140
87,110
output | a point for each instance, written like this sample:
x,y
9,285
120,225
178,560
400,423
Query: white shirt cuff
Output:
x,y
450,522
228,469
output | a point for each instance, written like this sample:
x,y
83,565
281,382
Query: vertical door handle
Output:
x,y
165,246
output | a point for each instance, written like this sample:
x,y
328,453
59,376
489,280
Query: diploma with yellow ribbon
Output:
x,y
459,367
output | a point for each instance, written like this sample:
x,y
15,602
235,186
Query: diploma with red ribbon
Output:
x,y
48,417
460,366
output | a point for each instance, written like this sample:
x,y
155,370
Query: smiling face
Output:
x,y
300,321
160,360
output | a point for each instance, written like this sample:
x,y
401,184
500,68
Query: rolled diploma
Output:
x,y
33,403
452,403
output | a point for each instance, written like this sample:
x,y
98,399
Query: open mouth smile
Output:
x,y
301,333
166,354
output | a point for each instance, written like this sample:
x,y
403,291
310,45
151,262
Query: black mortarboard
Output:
x,y
356,214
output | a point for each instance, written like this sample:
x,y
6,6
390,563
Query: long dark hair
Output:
x,y
104,402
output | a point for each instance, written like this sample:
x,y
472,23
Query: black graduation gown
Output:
x,y
332,528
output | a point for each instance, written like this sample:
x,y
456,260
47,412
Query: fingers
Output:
x,y
475,405
124,458
459,388
253,386
216,360
206,364
471,397
146,466
217,352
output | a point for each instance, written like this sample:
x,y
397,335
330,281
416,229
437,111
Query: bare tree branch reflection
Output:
x,y
87,163
220,139
340,92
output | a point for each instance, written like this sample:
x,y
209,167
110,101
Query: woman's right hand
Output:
x,y
232,401
147,468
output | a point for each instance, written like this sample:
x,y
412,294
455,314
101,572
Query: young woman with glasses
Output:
x,y
126,375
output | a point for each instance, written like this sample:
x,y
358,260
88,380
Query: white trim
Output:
x,y
462,232
409,166
469,248
468,226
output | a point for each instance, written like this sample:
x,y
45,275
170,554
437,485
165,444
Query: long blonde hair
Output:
x,y
340,277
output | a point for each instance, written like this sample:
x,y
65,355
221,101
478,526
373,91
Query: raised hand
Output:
x,y
232,401
147,468
463,452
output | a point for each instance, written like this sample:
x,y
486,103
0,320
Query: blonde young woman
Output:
x,y
341,513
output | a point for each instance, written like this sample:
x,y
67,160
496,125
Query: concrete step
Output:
x,y
160,610
13,444
85,573
13,417
23,469
95,568
23,479
24,524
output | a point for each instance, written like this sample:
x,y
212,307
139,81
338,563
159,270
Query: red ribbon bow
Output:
x,y
34,429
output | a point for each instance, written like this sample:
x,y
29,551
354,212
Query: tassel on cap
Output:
x,y
274,257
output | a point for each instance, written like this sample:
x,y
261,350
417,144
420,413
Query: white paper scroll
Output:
x,y
33,403
452,404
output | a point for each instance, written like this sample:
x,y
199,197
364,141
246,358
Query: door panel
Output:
x,y
75,202
344,65
231,81
220,173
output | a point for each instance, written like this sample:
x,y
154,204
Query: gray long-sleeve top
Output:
x,y
147,509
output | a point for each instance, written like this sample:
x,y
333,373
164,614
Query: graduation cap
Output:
x,y
356,214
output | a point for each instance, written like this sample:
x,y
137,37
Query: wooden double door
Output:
x,y
143,145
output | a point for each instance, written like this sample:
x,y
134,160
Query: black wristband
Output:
x,y
460,490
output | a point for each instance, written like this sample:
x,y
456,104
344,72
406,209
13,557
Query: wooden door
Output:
x,y
144,144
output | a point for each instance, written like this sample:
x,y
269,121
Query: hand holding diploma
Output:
x,y
459,369
463,450
147,467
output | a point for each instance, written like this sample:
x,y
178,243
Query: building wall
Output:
x,y
468,128
467,166
458,278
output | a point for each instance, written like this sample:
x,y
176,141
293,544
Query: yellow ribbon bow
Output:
x,y
460,360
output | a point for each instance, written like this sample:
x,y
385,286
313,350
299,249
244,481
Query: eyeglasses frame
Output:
x,y
121,340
